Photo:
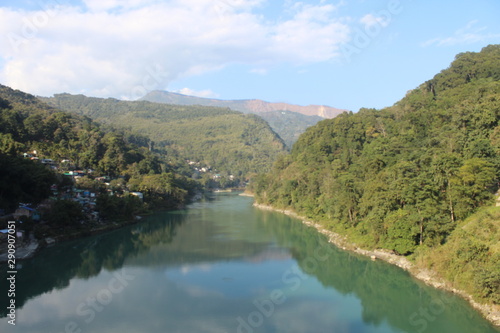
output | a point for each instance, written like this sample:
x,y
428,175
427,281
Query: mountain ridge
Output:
x,y
256,106
234,143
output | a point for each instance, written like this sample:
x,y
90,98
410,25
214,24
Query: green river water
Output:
x,y
222,265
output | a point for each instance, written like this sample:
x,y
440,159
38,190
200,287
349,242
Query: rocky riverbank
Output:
x,y
490,311
24,250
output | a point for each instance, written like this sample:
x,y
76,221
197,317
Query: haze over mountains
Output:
x,y
256,106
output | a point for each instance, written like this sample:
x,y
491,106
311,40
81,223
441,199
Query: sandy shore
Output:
x,y
246,194
490,311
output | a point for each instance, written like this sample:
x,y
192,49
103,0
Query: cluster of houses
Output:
x,y
23,210
198,168
88,201
206,169
85,197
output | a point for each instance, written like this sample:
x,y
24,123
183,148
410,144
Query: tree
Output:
x,y
476,181
118,208
406,175
65,213
23,181
403,233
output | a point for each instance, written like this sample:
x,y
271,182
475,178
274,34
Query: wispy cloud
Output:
x,y
471,33
118,48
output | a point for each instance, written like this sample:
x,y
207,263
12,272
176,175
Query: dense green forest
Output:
x,y
31,131
22,180
408,177
289,125
230,142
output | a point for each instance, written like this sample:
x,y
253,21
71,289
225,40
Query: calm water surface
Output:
x,y
224,266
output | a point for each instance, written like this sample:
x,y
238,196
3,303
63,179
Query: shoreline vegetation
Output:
x,y
419,178
491,312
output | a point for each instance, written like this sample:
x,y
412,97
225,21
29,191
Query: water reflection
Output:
x,y
387,294
223,266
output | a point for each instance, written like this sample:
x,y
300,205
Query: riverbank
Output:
x,y
490,311
28,249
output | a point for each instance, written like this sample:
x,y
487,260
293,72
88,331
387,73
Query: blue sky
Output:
x,y
347,54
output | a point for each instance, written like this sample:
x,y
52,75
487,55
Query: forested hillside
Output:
x,y
289,125
228,141
287,120
405,177
33,133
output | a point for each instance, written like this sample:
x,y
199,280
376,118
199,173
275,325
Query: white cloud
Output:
x,y
310,36
467,35
198,93
371,20
125,48
104,5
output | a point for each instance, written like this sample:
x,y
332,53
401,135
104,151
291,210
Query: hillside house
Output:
x,y
140,195
26,211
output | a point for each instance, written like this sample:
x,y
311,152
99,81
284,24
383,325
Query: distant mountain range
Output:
x,y
229,141
245,105
289,121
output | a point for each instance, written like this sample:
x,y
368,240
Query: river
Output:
x,y
222,265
